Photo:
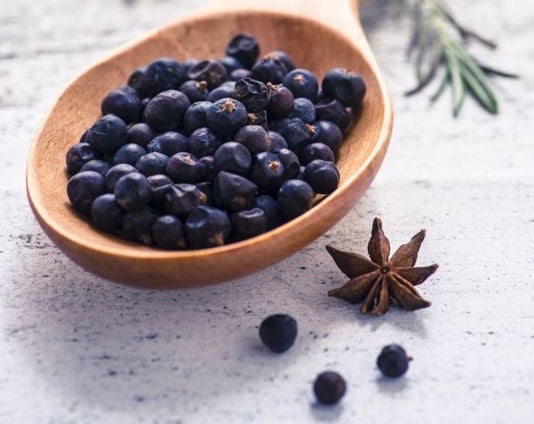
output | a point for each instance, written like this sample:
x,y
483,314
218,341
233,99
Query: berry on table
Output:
x,y
278,332
393,361
329,387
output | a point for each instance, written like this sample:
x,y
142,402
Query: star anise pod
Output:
x,y
377,281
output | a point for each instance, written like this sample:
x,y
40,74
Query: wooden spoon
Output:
x,y
318,35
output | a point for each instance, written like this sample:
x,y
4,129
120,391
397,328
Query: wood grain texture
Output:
x,y
317,45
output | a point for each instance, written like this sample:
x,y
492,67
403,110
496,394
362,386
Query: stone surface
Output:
x,y
78,349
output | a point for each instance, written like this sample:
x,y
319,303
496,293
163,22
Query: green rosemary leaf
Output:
x,y
480,90
458,88
427,78
442,86
488,70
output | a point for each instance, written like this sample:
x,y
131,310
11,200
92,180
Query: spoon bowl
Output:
x,y
310,41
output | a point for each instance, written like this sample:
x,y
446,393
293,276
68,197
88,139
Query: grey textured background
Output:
x,y
78,349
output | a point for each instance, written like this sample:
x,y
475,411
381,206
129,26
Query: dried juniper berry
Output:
x,y
132,191
294,198
158,180
329,387
180,199
169,143
291,163
254,138
83,188
346,86
316,151
152,164
209,167
304,109
196,91
129,153
244,48
276,141
269,207
122,102
302,83
333,110
269,70
168,233
267,172
106,213
141,134
322,176
166,110
226,116
248,223
185,168
281,103
278,332
211,71
207,227
97,165
136,79
160,185
206,193
224,90
115,173
282,57
258,118
203,142
328,133
393,361
137,225
296,133
195,116
161,75
233,192
252,93
78,155
108,134
232,157
231,63
240,74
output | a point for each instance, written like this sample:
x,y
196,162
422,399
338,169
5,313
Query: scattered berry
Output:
x,y
393,361
329,387
278,332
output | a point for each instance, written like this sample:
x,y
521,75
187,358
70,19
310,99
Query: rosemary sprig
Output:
x,y
439,45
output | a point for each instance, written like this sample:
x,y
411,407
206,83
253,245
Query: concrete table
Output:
x,y
78,349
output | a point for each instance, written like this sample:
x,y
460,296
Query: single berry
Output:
x,y
316,151
333,110
393,361
346,86
295,132
252,93
168,233
233,192
106,213
196,91
132,191
329,387
195,116
267,172
328,133
169,143
282,101
269,70
322,176
282,57
158,180
115,173
232,157
206,193
276,141
108,134
122,102
97,165
152,164
278,332
209,167
203,142
138,225
304,109
254,138
248,223
302,83
230,63
129,153
207,227
78,155
185,168
141,134
294,198
180,199
83,188
269,207
159,190
244,48
240,74
162,74
211,71
166,110
225,90
136,79
226,116
291,163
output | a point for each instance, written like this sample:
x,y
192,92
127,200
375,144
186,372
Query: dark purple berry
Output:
x,y
225,90
291,163
180,199
115,173
393,361
282,57
185,168
233,192
132,191
252,93
322,176
78,155
106,213
276,141
124,103
346,86
302,83
269,70
196,91
203,142
295,132
160,185
244,48
316,151
254,138
136,79
269,207
248,223
97,165
232,157
282,101
211,71
230,63
240,74
195,116
161,75
141,134
158,180
83,188
304,109
152,164
258,118
328,133
333,110
129,153
209,167
267,172
168,233
278,332
329,387
206,193
207,227
137,225
294,198
226,116
169,143
166,110
108,134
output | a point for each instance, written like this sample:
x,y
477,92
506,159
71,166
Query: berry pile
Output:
x,y
197,154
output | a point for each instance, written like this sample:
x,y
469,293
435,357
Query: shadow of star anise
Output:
x,y
377,281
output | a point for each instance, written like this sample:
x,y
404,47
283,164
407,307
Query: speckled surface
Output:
x,y
78,349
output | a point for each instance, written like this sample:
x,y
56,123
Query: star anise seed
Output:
x,y
379,280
